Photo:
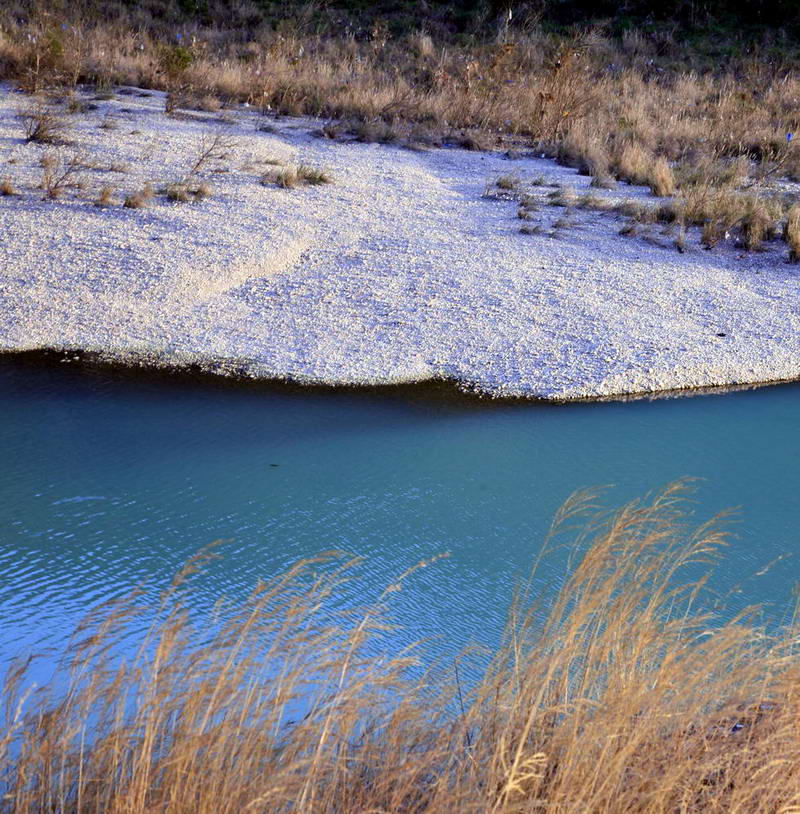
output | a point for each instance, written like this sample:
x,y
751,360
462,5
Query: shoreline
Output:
x,y
443,391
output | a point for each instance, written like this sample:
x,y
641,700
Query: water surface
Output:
x,y
110,481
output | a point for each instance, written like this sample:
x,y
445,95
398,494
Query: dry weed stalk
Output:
x,y
624,696
60,173
43,124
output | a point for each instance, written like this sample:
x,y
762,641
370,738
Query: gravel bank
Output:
x,y
400,270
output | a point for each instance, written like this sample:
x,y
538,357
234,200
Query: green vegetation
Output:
x,y
620,695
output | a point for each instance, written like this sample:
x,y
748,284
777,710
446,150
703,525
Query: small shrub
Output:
x,y
713,232
372,132
591,200
475,140
604,181
210,104
60,173
178,193
216,147
43,125
76,105
566,221
286,178
174,60
563,196
140,199
201,192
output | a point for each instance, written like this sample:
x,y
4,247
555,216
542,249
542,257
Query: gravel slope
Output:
x,y
400,270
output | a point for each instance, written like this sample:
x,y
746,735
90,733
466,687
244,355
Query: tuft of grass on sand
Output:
x,y
7,187
791,233
183,192
105,197
294,176
141,198
621,693
660,178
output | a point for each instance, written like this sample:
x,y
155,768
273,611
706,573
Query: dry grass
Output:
x,y
661,179
621,695
183,192
294,176
60,172
7,187
105,197
42,124
628,109
791,233
140,199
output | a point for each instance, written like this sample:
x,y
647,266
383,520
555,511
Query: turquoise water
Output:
x,y
110,481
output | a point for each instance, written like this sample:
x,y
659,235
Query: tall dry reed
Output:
x,y
618,695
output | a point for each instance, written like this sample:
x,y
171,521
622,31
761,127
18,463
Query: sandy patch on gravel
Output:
x,y
400,270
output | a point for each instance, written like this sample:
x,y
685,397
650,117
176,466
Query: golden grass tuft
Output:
x,y
7,187
105,197
791,233
661,179
634,164
141,198
621,695
294,176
